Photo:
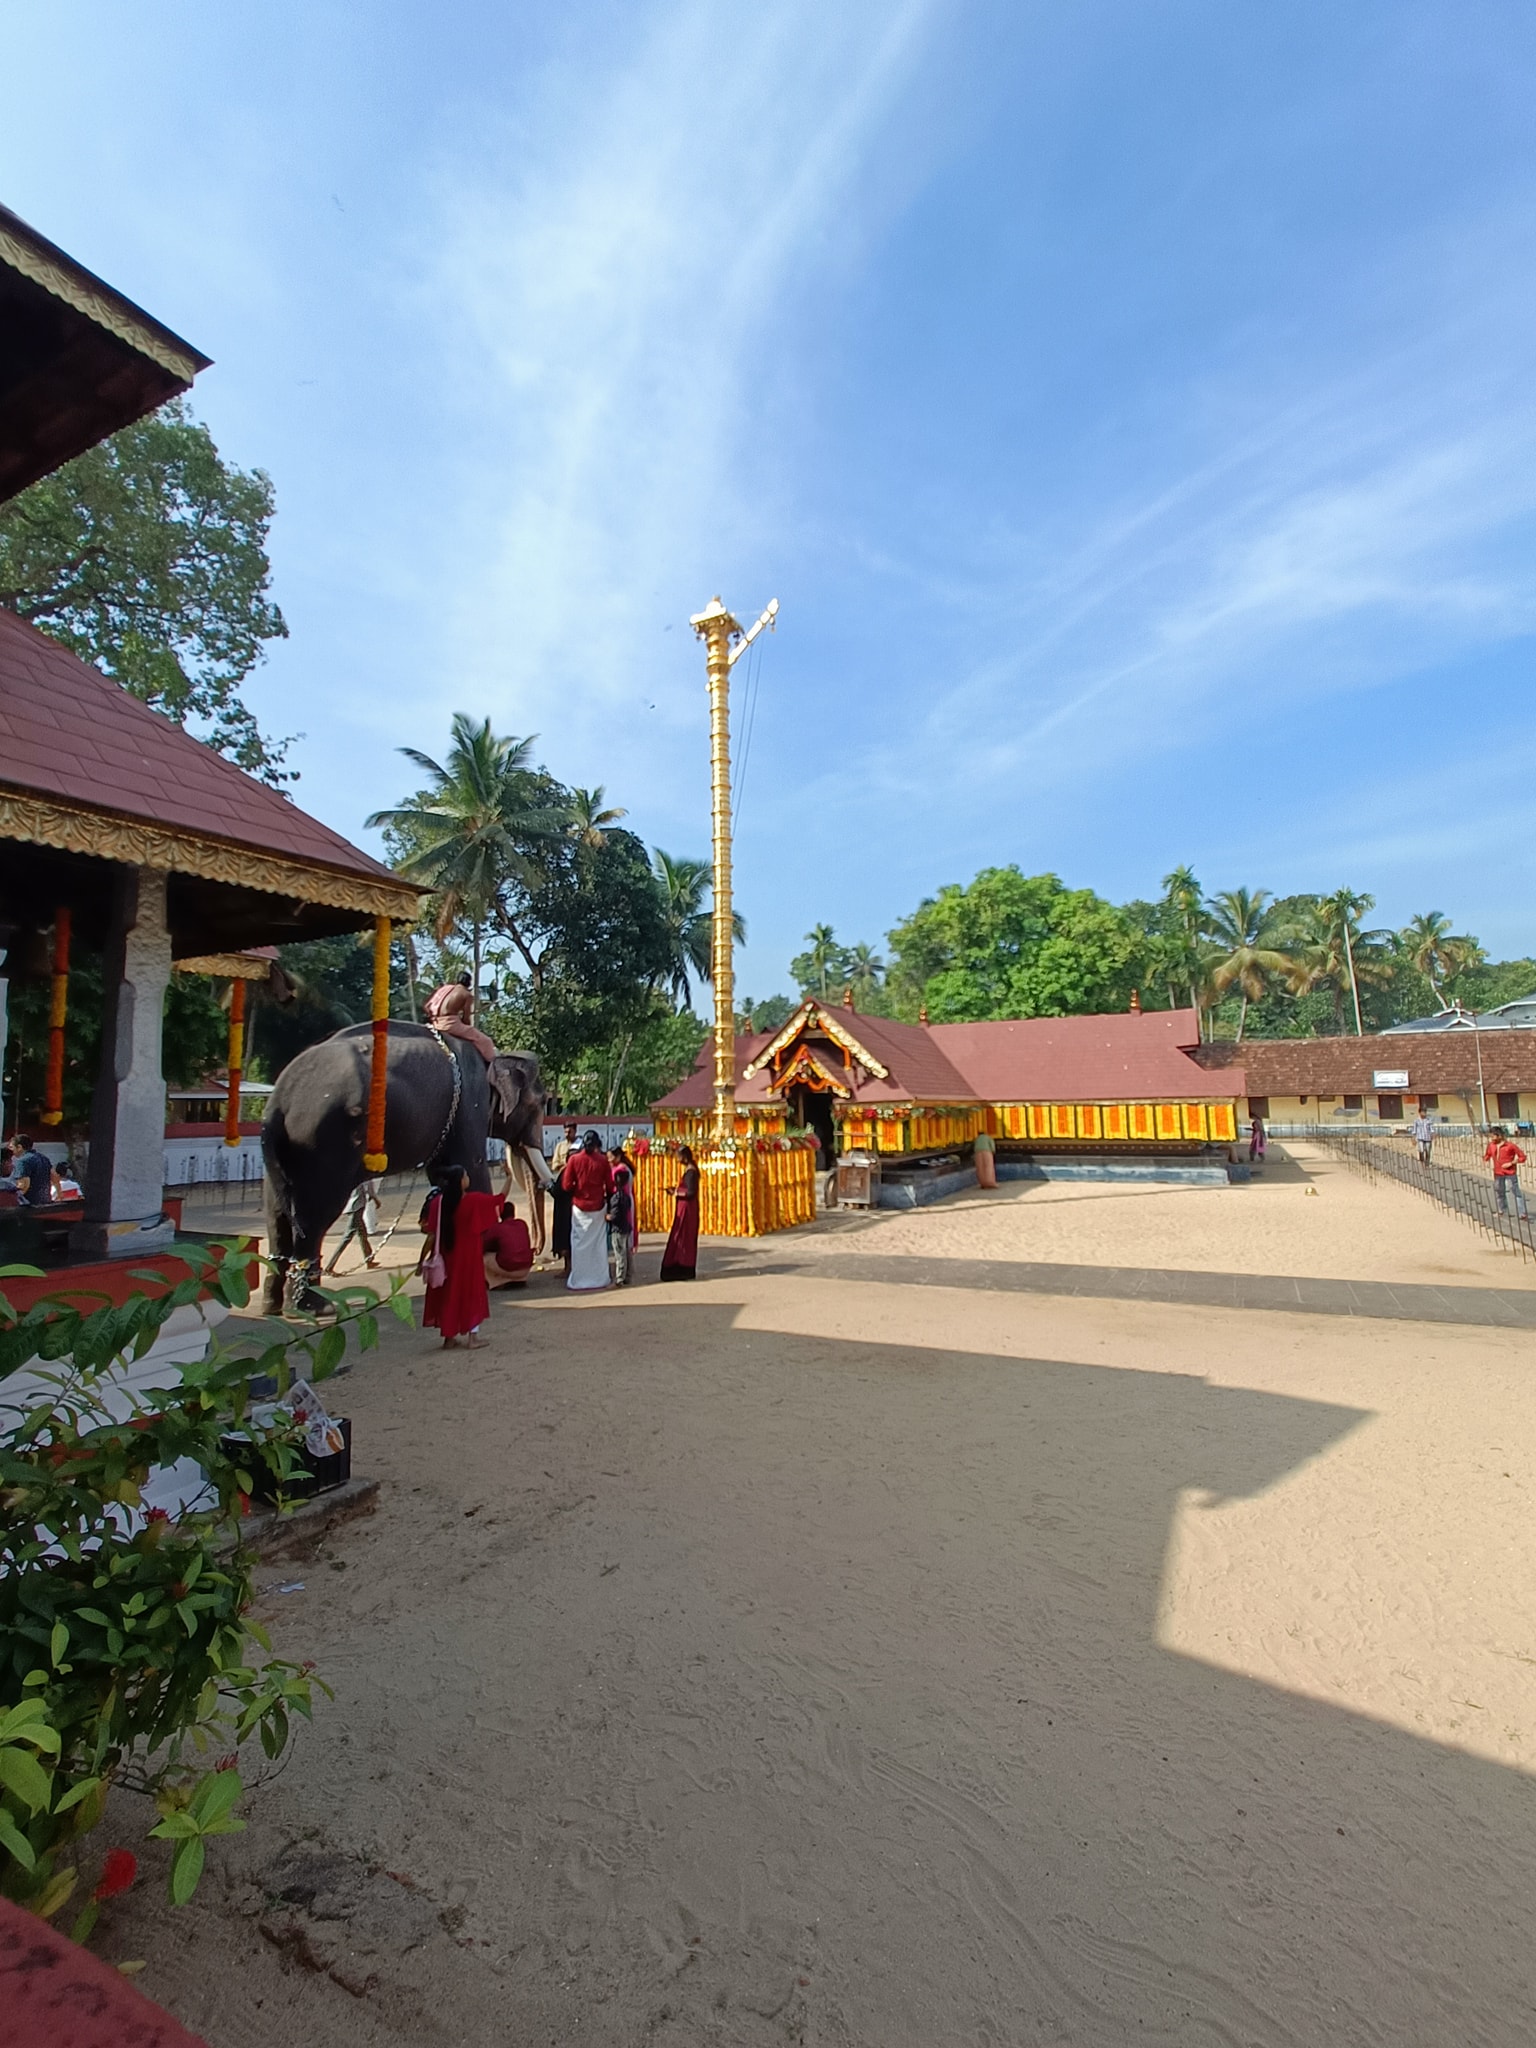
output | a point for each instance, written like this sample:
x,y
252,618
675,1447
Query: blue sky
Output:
x,y
1132,408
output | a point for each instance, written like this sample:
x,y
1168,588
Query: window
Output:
x,y
1354,1102
1324,1098
1429,1102
1389,1108
1509,1107
1258,1105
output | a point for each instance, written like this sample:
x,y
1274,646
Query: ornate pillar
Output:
x,y
126,1180
716,628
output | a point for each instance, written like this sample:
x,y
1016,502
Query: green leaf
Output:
x,y
58,1642
25,1776
186,1869
176,1827
12,1840
367,1332
330,1351
215,1795
85,1920
76,1793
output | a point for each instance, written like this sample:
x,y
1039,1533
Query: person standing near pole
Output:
x,y
1424,1134
1506,1159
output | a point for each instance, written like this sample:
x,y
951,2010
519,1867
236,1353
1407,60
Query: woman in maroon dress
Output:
x,y
456,1221
682,1253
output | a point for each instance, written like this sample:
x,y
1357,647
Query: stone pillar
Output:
x,y
126,1179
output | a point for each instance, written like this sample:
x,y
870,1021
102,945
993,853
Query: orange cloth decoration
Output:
x,y
236,1061
53,1088
375,1158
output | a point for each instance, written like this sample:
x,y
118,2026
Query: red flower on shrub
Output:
x,y
156,1515
227,1763
119,1868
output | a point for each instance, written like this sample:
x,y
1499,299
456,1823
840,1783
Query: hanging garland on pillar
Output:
x,y
53,1087
375,1158
236,1061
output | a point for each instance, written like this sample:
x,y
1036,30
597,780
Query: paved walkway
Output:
x,y
1501,1307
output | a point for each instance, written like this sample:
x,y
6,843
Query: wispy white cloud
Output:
x,y
1343,531
614,296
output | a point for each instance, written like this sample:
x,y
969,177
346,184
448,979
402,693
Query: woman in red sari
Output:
x,y
682,1253
456,1222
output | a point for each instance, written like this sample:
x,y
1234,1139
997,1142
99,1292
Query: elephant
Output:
x,y
441,1105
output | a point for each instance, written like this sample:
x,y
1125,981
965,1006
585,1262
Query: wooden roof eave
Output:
x,y
105,835
811,1010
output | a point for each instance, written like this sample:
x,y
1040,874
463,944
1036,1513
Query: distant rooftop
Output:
x,y
1518,1015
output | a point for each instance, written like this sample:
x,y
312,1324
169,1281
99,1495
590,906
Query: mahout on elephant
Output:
x,y
442,1103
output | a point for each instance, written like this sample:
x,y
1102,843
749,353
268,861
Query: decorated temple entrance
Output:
x,y
810,1106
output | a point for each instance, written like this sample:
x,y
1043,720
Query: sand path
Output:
x,y
796,1658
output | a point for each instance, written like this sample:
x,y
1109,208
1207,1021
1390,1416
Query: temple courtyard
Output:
x,y
1073,1614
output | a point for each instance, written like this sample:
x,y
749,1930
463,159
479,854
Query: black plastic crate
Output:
x,y
315,1475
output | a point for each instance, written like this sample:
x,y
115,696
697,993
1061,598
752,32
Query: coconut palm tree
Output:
x,y
589,819
1246,932
684,884
1428,943
1185,961
865,970
824,956
472,828
1337,954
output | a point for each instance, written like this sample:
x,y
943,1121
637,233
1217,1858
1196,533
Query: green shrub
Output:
x,y
127,1652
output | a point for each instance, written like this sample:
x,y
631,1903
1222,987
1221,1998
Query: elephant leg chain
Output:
x,y
301,1294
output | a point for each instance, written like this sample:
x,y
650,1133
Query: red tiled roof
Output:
x,y
1436,1063
69,733
1128,1057
1124,1058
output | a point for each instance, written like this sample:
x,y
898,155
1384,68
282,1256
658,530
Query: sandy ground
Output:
x,y
796,1659
1308,1215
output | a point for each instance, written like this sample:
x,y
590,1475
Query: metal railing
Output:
x,y
1456,1179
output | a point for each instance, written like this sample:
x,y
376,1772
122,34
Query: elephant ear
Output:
x,y
506,1089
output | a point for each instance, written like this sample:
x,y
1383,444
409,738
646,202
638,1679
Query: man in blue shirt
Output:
x,y
33,1175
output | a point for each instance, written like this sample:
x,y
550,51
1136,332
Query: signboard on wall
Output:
x,y
1393,1079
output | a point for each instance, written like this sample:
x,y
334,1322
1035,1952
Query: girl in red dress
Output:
x,y
456,1222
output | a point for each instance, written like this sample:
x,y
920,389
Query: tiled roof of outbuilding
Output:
x,y
1436,1063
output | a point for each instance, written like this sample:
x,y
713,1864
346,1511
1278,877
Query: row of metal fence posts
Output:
x,y
1457,1178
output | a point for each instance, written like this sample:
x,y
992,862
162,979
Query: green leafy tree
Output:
x,y
624,1075
767,1014
1015,945
147,556
595,944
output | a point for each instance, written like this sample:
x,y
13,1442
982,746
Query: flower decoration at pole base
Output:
x,y
236,1062
58,1013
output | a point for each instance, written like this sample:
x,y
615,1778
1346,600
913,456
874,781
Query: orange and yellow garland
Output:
x,y
236,1061
375,1158
53,1088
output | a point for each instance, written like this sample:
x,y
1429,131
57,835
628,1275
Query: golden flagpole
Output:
x,y
723,641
